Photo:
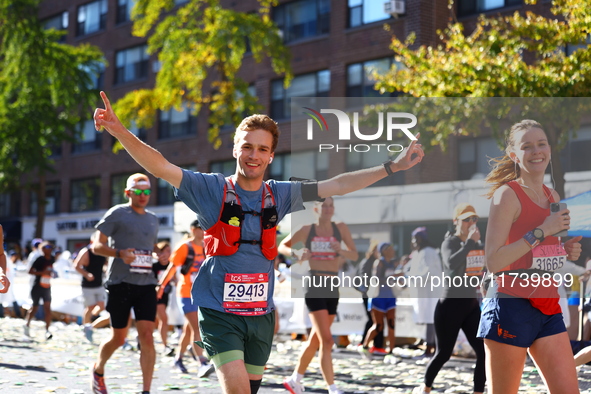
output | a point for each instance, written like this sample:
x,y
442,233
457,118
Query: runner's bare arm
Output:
x,y
356,180
3,278
350,253
81,263
101,247
146,156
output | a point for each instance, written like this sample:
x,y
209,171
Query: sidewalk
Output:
x,y
61,365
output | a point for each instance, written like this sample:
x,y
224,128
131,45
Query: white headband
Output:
x,y
132,183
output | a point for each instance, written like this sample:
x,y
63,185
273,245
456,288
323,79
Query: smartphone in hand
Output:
x,y
555,207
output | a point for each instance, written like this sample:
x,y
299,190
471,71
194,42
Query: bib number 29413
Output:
x,y
246,294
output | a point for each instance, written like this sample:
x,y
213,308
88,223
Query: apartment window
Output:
x,y
124,10
226,167
230,126
58,22
310,165
52,199
118,183
92,17
470,7
56,151
173,123
570,48
280,168
309,85
84,195
139,132
474,156
96,73
302,19
131,64
165,193
360,80
362,12
359,160
89,140
575,155
5,205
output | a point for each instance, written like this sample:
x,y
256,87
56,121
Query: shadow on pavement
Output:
x,y
25,367
17,345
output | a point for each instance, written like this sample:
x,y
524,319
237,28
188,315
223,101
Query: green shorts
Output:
x,y
227,337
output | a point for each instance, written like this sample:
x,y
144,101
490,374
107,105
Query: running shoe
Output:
x,y
168,351
97,384
27,331
126,345
337,391
88,333
205,370
292,386
364,352
419,390
48,335
390,359
178,363
378,350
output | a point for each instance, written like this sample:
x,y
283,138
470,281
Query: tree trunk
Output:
x,y
41,202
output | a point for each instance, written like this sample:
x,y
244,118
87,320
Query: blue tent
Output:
x,y
580,214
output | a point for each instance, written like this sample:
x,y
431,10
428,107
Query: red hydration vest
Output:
x,y
224,237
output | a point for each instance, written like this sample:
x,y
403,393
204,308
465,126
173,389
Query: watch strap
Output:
x,y
531,240
387,167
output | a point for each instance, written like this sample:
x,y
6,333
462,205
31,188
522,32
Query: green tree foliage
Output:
x,y
45,92
517,55
201,48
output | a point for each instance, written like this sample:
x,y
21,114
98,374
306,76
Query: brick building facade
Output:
x,y
331,43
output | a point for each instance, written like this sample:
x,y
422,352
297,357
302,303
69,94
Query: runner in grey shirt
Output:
x,y
127,234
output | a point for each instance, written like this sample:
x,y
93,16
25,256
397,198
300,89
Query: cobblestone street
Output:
x,y
61,365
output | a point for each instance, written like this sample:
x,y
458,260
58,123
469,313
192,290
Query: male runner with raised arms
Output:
x,y
234,287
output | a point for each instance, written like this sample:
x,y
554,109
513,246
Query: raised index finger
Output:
x,y
106,101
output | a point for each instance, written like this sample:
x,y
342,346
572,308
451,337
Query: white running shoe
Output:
x,y
205,370
88,333
27,331
292,386
390,359
364,352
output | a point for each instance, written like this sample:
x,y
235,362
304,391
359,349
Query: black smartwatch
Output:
x,y
538,234
386,165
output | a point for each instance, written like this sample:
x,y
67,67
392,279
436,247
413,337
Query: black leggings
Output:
x,y
451,315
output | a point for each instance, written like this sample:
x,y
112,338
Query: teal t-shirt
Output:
x,y
203,193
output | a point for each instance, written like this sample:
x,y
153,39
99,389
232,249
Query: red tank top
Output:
x,y
544,298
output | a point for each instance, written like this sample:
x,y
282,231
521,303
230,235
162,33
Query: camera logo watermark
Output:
x,y
391,120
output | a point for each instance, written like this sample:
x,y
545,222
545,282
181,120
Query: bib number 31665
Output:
x,y
548,257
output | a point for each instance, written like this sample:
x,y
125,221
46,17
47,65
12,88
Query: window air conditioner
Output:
x,y
395,7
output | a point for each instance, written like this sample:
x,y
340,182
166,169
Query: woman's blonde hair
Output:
x,y
504,169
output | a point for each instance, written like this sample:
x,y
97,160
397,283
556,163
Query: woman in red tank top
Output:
x,y
520,312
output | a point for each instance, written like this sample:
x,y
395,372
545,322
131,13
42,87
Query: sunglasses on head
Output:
x,y
138,192
470,219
